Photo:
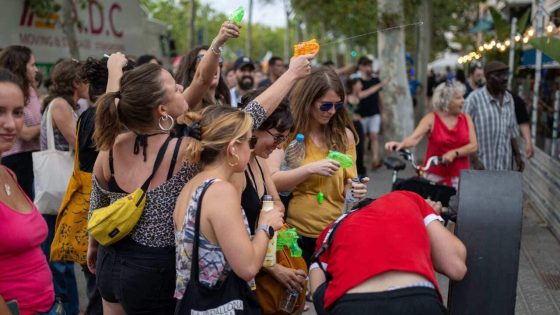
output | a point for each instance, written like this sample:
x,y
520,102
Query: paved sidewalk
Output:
x,y
538,290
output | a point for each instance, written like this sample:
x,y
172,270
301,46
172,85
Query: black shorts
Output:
x,y
406,301
140,278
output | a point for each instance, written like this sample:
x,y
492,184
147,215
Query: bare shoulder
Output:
x,y
350,136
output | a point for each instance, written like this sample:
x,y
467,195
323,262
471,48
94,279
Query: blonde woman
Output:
x,y
225,244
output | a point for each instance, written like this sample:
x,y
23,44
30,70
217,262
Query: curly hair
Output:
x,y
15,59
96,73
443,94
64,75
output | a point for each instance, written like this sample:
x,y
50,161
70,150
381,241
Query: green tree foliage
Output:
x,y
208,23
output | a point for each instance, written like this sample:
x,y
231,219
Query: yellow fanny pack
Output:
x,y
112,223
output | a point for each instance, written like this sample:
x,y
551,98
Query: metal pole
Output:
x,y
539,25
512,51
555,123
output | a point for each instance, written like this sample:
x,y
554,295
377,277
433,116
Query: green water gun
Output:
x,y
288,237
237,15
345,160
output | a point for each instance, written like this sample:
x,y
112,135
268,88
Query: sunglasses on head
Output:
x,y
326,106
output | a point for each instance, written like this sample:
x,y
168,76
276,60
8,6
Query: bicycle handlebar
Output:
x,y
432,161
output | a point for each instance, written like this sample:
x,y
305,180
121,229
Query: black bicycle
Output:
x,y
418,184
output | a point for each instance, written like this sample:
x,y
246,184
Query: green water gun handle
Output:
x,y
345,160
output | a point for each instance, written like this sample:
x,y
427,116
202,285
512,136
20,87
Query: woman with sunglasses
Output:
x,y
319,184
200,71
257,182
223,150
451,134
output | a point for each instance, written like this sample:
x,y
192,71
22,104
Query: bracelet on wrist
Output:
x,y
217,52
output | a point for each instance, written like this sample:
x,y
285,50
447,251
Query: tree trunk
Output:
x,y
68,22
424,48
287,31
249,42
397,103
192,24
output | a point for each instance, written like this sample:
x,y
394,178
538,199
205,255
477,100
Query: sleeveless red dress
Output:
x,y
442,140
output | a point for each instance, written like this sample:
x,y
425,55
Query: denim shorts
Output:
x,y
140,278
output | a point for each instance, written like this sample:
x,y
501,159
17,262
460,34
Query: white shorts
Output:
x,y
371,124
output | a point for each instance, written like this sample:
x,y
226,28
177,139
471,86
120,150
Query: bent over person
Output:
x,y
383,257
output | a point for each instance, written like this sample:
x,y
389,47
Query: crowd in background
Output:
x,y
214,139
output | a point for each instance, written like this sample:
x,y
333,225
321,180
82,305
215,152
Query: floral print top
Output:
x,y
213,266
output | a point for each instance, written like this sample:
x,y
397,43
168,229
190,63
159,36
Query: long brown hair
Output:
x,y
141,91
185,75
15,59
64,76
304,96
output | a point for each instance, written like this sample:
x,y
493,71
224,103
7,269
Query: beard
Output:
x,y
246,82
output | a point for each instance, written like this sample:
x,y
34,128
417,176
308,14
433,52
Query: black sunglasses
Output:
x,y
253,142
325,107
278,138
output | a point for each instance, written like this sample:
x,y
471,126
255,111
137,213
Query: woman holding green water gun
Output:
x,y
319,184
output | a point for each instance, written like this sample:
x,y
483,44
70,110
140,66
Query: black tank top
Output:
x,y
250,199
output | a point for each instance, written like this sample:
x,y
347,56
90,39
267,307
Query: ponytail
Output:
x,y
107,122
194,148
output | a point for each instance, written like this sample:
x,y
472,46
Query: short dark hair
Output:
x,y
281,119
272,61
145,59
474,67
364,60
95,72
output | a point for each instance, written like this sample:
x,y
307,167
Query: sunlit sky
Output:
x,y
267,14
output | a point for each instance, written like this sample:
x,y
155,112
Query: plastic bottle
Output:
x,y
295,153
270,257
288,302
350,200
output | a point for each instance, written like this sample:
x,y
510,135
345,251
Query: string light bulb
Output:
x,y
517,38
525,40
507,42
530,32
550,28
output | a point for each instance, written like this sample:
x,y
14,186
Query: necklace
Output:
x,y
7,189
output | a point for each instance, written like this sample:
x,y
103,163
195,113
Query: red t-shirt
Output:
x,y
387,235
443,140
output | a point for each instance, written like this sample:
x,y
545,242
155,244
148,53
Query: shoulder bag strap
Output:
x,y
49,127
262,175
159,158
174,158
195,273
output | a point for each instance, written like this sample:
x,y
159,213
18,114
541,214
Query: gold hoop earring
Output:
x,y
164,119
236,162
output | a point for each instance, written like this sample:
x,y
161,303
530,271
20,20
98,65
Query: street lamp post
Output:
x,y
538,24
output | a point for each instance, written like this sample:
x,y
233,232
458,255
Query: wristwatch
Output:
x,y
267,229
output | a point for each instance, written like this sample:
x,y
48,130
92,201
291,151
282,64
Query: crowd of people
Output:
x,y
205,146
